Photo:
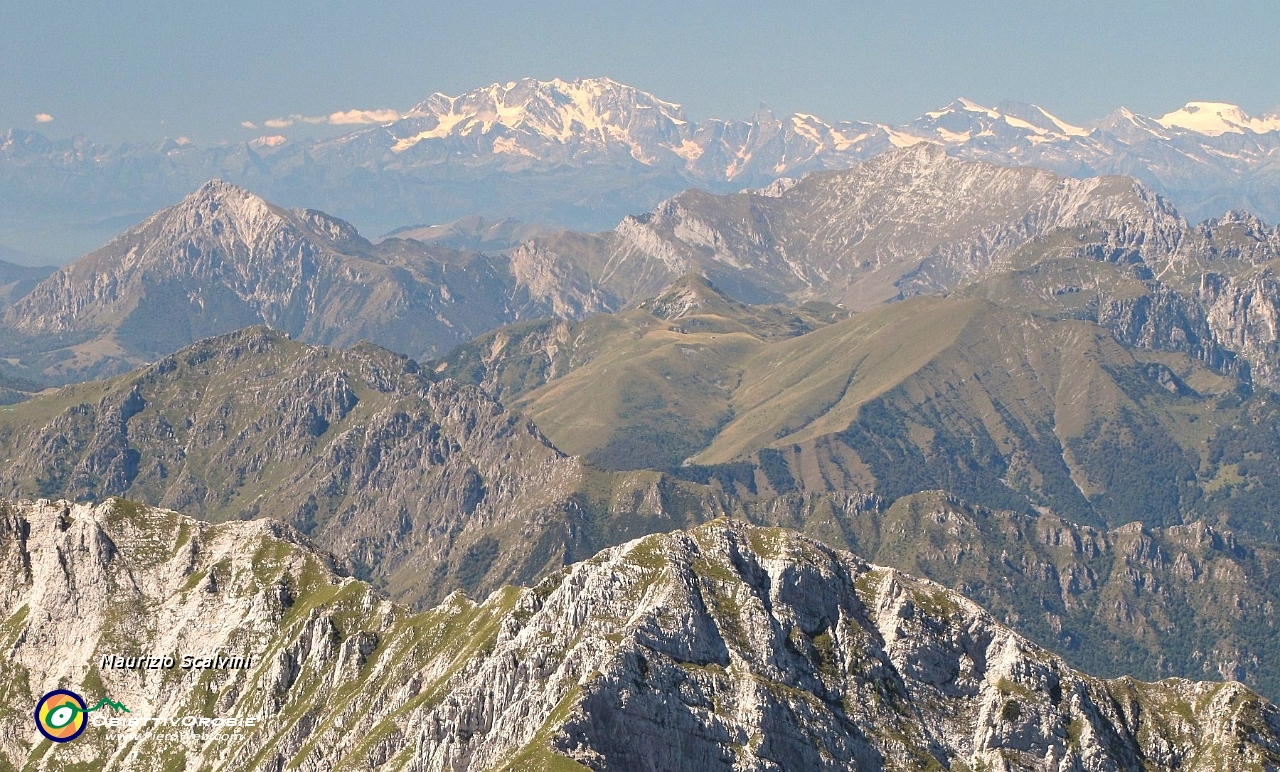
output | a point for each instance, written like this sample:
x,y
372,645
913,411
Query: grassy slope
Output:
x,y
646,388
1013,404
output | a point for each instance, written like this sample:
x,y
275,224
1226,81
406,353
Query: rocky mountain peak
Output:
x,y
1040,118
917,156
217,207
219,190
240,223
220,259
690,295
16,142
965,121
1131,128
1247,220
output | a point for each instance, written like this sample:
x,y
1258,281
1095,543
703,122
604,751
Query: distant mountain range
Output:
x,y
583,154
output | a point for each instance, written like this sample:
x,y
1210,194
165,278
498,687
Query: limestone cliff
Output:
x,y
726,647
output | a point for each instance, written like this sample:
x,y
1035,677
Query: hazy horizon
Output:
x,y
158,69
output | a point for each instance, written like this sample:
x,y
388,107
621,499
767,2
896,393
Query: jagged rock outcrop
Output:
x,y
726,647
1243,313
1212,296
909,222
1169,320
1192,600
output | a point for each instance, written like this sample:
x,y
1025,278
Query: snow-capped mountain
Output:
x,y
1216,118
585,153
544,124
595,112
965,121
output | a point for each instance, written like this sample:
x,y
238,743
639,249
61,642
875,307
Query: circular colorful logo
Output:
x,y
60,715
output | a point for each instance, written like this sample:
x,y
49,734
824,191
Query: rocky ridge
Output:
x,y
910,222
920,222
1192,600
906,223
224,259
255,424
762,649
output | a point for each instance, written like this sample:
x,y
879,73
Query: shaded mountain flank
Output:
x,y
422,484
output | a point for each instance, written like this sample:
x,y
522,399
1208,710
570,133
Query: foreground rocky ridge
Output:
x,y
1194,600
758,648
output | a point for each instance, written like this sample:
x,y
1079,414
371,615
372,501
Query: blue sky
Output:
x,y
141,70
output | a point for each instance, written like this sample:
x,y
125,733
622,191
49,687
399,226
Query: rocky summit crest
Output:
x,y
724,647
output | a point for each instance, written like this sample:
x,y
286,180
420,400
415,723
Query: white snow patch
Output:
x,y
275,140
843,141
443,128
953,136
1063,126
1018,123
898,139
688,150
804,125
974,107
